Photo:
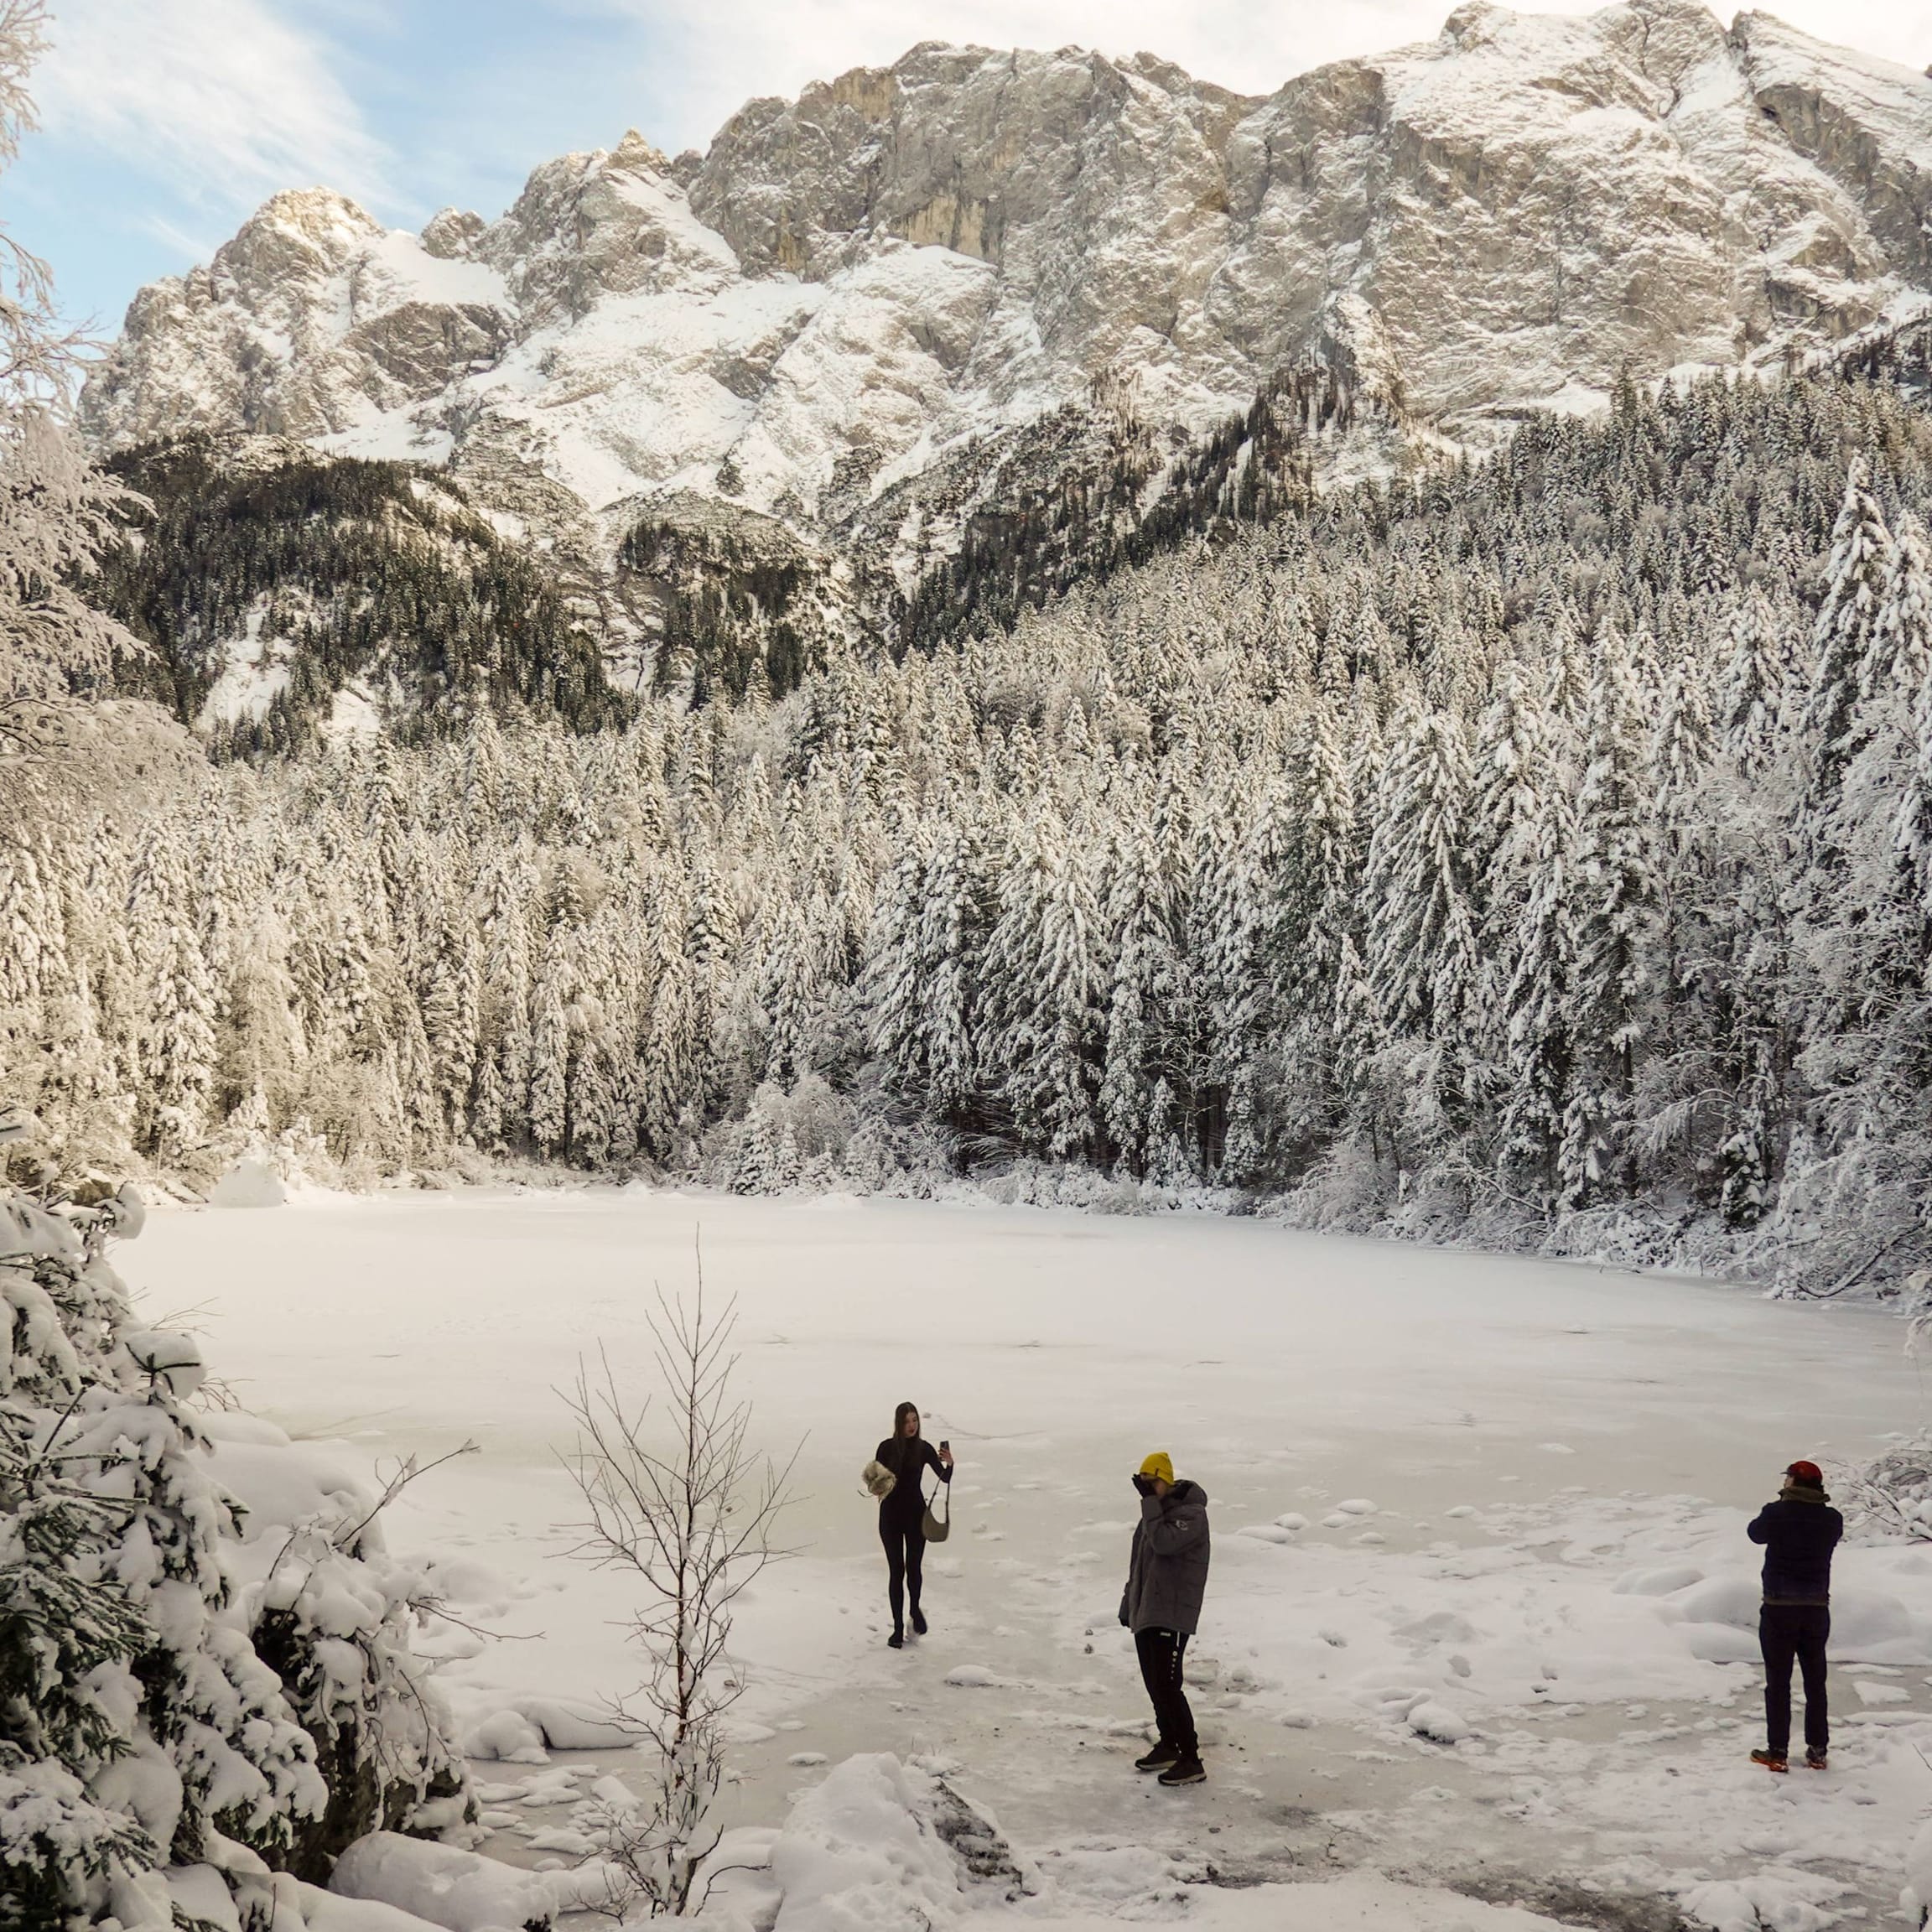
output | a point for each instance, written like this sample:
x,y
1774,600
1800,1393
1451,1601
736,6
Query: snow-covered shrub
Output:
x,y
141,1727
1892,1494
787,1140
333,1618
135,1711
1850,1220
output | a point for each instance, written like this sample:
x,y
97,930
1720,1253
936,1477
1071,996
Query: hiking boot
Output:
x,y
1813,1760
896,1641
1185,1771
919,1623
1771,1760
1158,1759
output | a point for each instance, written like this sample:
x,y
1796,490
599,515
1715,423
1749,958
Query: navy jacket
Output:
x,y
1799,1538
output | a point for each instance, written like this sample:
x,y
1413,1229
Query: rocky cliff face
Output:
x,y
875,285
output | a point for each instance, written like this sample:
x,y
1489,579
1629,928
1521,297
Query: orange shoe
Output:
x,y
1771,1760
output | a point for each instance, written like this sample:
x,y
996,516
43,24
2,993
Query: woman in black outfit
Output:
x,y
902,1513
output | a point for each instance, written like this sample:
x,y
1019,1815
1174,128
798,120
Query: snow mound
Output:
x,y
249,1184
1664,1582
1783,1898
971,1677
1267,1532
1437,1723
461,1891
858,1853
1916,1899
1868,1626
524,1729
323,1912
1734,1599
506,1736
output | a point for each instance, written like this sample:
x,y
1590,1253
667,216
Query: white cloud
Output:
x,y
223,99
716,56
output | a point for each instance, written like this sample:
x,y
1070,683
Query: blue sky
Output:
x,y
165,122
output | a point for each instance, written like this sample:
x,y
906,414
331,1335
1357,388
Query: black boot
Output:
x,y
918,1622
896,1641
1158,1759
1185,1771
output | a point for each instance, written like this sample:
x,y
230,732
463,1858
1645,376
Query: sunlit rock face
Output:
x,y
851,287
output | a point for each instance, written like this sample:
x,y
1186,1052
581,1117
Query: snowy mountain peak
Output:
x,y
908,261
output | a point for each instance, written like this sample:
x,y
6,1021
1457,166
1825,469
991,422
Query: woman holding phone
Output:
x,y
903,1514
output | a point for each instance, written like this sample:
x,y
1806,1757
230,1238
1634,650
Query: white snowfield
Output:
x,y
1481,1615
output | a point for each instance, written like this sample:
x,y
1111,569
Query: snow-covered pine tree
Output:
x,y
1043,987
1143,995
56,510
1423,974
1843,641
1755,688
1614,943
953,923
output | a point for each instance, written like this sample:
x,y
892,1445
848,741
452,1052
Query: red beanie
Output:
x,y
1807,1472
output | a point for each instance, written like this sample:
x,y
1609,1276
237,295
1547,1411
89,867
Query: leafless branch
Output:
x,y
674,1494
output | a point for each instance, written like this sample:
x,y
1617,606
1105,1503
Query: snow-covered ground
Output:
x,y
1481,1610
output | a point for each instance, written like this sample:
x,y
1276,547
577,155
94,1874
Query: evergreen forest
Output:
x,y
1536,851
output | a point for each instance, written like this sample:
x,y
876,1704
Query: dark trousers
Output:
x,y
1160,1652
1788,1633
905,1551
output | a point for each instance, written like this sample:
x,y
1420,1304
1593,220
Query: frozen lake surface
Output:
x,y
1520,1662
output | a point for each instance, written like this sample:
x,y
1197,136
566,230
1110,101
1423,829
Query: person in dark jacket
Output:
x,y
1798,1531
902,1515
1167,1579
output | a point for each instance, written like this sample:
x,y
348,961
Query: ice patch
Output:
x,y
1871,1693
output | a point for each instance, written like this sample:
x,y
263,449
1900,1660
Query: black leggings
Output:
x,y
905,1551
1161,1653
1795,1633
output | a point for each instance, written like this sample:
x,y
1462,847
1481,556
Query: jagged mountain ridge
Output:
x,y
835,323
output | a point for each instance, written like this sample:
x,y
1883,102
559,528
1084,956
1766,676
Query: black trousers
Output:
x,y
1160,1652
905,1551
1789,1633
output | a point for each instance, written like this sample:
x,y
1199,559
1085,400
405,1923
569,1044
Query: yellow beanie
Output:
x,y
1160,1466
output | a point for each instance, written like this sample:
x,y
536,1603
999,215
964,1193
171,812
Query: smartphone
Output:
x,y
945,1446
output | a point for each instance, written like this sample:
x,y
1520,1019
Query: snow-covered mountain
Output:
x,y
840,316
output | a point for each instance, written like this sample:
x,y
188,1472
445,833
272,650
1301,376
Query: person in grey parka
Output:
x,y
1167,1579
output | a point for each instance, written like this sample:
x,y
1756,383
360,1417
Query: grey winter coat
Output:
x,y
1167,1573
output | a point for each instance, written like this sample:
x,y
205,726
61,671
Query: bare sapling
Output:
x,y
675,1494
